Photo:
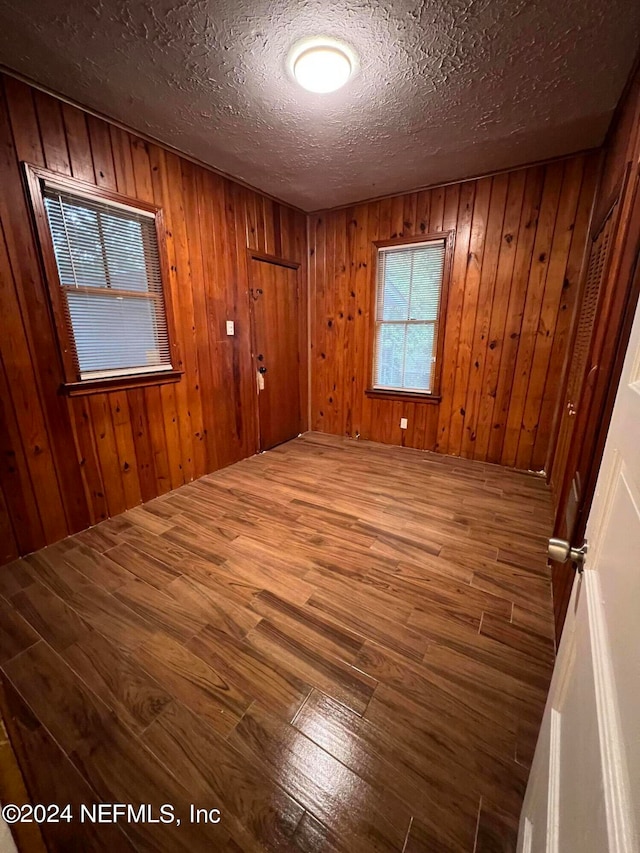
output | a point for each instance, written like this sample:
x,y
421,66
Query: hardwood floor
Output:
x,y
342,646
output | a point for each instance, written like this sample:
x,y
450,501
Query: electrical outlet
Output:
x,y
403,423
231,330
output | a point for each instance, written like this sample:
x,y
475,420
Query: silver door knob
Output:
x,y
561,551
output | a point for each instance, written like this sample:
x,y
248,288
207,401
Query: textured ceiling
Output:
x,y
446,88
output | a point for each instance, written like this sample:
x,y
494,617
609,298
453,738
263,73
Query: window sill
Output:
x,y
408,396
120,383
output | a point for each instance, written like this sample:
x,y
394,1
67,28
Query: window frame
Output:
x,y
36,178
433,396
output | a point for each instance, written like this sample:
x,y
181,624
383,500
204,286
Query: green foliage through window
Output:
x,y
409,287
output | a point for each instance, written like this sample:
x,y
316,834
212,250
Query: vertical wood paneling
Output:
x,y
15,477
550,414
54,140
224,298
341,259
206,454
511,337
8,546
102,424
186,317
69,462
455,307
597,349
514,281
162,402
516,425
496,333
62,488
18,394
102,153
134,473
246,403
550,312
471,293
131,413
122,161
88,458
486,298
77,136
358,316
177,294
20,112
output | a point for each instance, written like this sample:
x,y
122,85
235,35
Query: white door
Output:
x,y
584,789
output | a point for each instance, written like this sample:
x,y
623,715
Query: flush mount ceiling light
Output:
x,y
322,65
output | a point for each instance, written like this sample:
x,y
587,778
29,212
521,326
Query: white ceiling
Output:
x,y
446,89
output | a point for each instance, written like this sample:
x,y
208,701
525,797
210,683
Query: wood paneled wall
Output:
x,y
520,239
576,463
617,186
66,463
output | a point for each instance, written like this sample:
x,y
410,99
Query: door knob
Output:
x,y
561,551
262,369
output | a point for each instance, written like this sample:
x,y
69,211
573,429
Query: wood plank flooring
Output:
x,y
342,646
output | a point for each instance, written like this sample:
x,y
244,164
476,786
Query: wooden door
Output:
x,y
584,787
276,351
582,374
598,350
582,369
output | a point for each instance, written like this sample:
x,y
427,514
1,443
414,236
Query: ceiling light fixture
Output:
x,y
322,65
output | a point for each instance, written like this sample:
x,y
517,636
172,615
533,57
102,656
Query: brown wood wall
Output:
x,y
66,463
520,239
575,464
615,197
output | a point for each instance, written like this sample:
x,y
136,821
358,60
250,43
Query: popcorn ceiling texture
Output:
x,y
446,88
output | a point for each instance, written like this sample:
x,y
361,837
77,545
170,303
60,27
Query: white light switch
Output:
x,y
403,423
231,327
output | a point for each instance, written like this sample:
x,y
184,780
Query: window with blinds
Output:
x,y
408,294
109,272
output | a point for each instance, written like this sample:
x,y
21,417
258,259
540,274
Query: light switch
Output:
x,y
230,327
403,423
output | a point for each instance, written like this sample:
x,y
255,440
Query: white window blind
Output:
x,y
109,270
409,284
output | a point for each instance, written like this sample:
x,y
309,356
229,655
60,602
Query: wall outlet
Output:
x,y
403,423
231,329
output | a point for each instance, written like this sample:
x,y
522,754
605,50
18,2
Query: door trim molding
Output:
x,y
272,259
616,782
553,805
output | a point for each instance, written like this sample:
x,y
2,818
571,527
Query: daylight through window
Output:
x,y
409,289
109,270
